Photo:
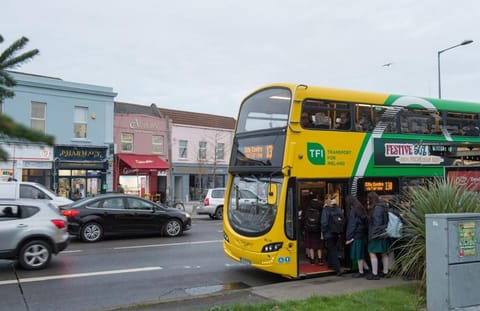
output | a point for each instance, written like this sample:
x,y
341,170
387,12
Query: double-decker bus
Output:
x,y
294,141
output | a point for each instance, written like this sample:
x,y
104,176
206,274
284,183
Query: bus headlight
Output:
x,y
225,237
272,247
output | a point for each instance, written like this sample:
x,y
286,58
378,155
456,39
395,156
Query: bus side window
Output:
x,y
322,120
364,124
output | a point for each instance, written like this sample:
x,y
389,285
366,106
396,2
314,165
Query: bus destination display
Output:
x,y
378,185
382,186
258,152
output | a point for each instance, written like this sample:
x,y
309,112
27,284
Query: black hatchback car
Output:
x,y
119,214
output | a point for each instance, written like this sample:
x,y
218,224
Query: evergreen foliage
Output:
x,y
9,128
438,197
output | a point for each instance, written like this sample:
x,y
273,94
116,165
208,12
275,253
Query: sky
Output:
x,y
206,56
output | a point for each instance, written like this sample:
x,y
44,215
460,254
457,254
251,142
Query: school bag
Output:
x,y
336,221
394,226
312,219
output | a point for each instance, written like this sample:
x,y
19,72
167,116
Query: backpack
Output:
x,y
312,219
394,226
336,221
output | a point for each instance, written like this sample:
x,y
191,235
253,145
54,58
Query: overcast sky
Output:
x,y
205,56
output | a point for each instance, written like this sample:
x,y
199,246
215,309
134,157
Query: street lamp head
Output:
x,y
465,42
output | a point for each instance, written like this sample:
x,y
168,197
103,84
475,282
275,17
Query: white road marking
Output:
x,y
73,251
169,244
79,275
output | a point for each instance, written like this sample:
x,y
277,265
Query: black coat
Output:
x,y
327,211
357,226
378,221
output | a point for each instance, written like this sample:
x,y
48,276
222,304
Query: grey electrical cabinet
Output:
x,y
453,261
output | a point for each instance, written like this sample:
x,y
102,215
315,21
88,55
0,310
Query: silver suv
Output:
x,y
31,231
212,205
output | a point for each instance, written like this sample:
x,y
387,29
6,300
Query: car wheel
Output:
x,y
91,232
219,212
35,255
173,228
179,206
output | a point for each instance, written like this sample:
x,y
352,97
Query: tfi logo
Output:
x,y
316,153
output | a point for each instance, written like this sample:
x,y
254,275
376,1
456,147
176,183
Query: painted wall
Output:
x,y
142,127
194,135
60,98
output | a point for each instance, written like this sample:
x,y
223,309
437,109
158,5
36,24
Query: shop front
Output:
x,y
142,175
27,162
191,181
80,171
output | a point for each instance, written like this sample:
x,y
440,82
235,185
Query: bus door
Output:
x,y
311,250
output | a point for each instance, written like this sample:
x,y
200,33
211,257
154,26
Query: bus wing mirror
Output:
x,y
272,194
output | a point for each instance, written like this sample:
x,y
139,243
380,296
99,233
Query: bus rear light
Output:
x,y
272,247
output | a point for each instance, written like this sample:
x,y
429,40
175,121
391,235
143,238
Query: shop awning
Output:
x,y
140,161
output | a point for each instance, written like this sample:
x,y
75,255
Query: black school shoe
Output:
x,y
384,275
358,275
373,277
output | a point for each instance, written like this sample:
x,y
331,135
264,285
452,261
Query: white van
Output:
x,y
14,190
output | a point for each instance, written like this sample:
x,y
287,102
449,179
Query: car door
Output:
x,y
114,214
143,216
10,227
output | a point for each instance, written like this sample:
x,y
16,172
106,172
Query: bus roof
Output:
x,y
309,91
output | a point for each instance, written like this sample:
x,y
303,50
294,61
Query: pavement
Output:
x,y
283,291
278,292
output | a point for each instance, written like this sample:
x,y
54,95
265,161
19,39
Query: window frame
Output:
x,y
124,142
80,125
38,119
158,147
220,152
202,150
183,149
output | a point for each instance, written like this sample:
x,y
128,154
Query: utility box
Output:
x,y
453,261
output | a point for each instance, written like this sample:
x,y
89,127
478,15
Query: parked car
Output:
x,y
212,204
30,190
31,231
93,218
214,200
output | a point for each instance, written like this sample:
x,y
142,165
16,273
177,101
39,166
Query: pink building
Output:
x,y
141,163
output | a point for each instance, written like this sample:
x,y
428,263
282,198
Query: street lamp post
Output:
x,y
438,57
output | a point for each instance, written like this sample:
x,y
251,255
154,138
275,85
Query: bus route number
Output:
x,y
378,186
258,152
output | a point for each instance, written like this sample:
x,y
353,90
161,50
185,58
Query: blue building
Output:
x,y
80,116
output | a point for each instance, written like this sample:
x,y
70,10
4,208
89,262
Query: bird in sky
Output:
x,y
387,65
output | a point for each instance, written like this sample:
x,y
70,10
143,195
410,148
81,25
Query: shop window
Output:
x,y
157,144
80,122
127,142
37,116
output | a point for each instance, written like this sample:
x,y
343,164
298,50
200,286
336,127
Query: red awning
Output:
x,y
141,161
